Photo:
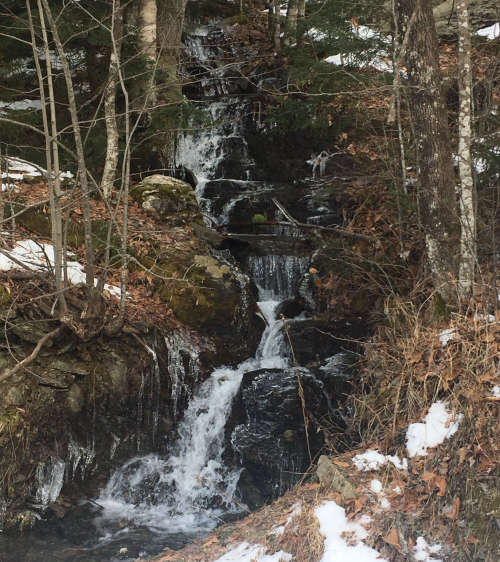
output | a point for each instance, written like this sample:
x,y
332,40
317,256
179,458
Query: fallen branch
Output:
x,y
342,233
31,357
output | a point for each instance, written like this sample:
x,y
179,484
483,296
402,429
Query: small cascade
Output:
x,y
50,479
192,488
278,274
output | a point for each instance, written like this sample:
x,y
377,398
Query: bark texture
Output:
x,y
467,210
112,148
437,177
170,25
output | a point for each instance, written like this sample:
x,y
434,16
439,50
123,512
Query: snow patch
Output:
x,y
373,460
491,32
423,551
376,486
37,256
253,553
495,392
343,539
438,425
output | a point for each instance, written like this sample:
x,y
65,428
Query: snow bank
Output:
x,y
436,427
373,460
343,539
423,551
39,257
253,553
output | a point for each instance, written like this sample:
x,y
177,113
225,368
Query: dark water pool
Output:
x,y
79,537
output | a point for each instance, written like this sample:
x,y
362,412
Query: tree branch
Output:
x,y
32,357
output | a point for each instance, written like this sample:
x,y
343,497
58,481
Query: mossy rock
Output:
x,y
168,200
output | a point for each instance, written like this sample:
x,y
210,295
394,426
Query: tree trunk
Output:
x,y
170,26
302,8
145,97
51,153
467,214
112,149
276,25
437,177
82,169
292,14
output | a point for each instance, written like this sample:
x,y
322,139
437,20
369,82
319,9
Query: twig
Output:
x,y
342,233
31,357
284,211
301,389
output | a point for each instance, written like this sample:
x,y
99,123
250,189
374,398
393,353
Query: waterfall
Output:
x,y
192,488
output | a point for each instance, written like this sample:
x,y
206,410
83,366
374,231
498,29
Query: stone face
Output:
x,y
167,200
332,476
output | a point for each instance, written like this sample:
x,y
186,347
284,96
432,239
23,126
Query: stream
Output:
x,y
243,429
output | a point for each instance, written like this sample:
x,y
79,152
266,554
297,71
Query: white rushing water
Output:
x,y
190,489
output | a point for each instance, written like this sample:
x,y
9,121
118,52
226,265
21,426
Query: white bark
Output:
x,y
467,211
146,43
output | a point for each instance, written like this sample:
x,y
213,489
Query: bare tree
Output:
x,y
82,169
467,208
51,152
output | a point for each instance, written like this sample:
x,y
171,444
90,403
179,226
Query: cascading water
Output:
x,y
192,488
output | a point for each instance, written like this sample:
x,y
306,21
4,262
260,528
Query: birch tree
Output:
x,y
467,208
437,183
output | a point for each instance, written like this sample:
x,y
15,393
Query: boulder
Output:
x,y
168,200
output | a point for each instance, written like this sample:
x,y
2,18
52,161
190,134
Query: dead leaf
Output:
x,y
426,476
393,539
462,453
454,510
441,484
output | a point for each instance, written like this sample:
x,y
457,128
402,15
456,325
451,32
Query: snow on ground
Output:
x,y
17,169
373,460
491,32
343,539
37,256
438,425
253,553
376,486
423,551
495,392
22,105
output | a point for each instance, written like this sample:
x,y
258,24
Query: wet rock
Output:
x,y
168,200
271,442
30,333
73,368
57,380
14,397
